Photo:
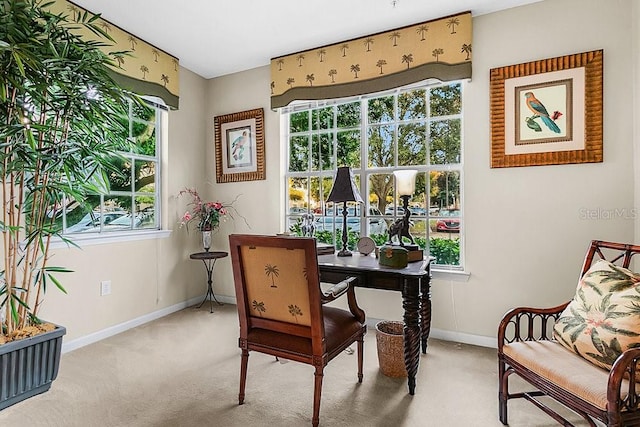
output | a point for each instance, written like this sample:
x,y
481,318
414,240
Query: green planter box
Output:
x,y
29,366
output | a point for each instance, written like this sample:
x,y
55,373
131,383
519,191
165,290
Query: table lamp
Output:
x,y
344,190
405,184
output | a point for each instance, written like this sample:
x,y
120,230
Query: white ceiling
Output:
x,y
217,37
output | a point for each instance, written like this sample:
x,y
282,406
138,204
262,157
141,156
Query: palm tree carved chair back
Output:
x,y
280,306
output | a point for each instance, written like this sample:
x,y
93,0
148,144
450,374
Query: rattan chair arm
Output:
x,y
527,324
624,368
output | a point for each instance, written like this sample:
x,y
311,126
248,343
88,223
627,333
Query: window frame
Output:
x,y
101,236
363,172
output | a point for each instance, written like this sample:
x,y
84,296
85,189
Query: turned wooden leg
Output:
x,y
317,393
244,361
411,305
425,311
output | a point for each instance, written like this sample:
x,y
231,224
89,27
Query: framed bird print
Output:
x,y
240,146
547,112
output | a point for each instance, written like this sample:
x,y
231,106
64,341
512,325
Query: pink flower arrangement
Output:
x,y
207,214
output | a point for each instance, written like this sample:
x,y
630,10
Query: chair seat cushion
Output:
x,y
339,325
603,319
562,367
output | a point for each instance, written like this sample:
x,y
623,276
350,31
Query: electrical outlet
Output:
x,y
105,287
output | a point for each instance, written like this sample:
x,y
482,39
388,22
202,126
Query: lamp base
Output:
x,y
344,252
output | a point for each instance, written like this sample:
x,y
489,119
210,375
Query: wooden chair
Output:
x,y
527,348
281,311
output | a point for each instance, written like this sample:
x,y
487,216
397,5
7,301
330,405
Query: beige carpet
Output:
x,y
183,370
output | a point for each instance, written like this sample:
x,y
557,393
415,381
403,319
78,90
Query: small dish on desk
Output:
x,y
324,248
366,245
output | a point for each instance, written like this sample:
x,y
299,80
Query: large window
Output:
x,y
418,128
133,202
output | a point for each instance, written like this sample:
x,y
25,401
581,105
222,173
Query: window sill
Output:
x,y
106,238
450,275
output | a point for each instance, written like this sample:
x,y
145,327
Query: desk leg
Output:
x,y
425,311
411,305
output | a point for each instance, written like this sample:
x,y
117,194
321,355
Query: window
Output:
x,y
133,202
413,128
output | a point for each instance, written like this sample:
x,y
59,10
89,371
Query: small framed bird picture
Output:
x,y
547,112
239,146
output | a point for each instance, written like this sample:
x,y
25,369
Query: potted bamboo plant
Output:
x,y
59,111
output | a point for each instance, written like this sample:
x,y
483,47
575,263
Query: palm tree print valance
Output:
x,y
145,70
438,49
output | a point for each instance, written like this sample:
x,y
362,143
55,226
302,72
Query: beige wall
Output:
x,y
525,235
525,238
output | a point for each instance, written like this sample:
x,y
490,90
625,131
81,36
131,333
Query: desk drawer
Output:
x,y
371,280
381,281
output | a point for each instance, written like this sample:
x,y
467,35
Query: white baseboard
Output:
x,y
77,343
116,329
463,338
460,337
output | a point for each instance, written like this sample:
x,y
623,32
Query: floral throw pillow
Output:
x,y
603,319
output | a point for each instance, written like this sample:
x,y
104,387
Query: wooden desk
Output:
x,y
412,281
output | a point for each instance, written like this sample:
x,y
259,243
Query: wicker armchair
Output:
x,y
527,348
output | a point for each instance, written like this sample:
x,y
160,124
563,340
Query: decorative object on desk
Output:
x,y
393,256
207,215
240,146
307,227
344,190
405,185
324,248
366,245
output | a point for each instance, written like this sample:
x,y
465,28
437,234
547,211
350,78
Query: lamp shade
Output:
x,y
406,181
344,187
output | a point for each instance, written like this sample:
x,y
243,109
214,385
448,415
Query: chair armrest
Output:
x,y
528,324
625,367
337,290
346,286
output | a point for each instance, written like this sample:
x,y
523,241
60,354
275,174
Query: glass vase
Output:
x,y
206,240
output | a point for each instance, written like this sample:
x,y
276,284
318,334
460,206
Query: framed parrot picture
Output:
x,y
540,114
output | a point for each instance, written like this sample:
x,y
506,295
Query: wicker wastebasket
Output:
x,y
390,340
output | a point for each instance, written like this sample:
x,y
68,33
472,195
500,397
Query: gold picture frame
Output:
x,y
547,112
239,140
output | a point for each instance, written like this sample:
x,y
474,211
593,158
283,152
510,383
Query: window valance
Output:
x,y
438,49
146,70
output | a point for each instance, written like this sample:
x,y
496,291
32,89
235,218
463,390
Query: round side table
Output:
x,y
209,260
